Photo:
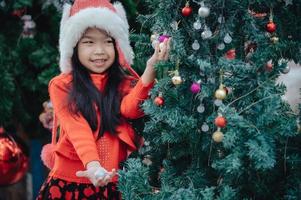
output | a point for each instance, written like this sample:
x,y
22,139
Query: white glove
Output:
x,y
98,175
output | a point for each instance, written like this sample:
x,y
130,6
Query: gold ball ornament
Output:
x,y
220,93
176,80
218,136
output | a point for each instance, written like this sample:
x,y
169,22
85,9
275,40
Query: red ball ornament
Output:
x,y
19,12
159,101
271,27
13,162
187,10
220,121
269,67
231,54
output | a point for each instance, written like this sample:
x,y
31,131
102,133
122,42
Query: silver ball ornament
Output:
x,y
286,69
204,11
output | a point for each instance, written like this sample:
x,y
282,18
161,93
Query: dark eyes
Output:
x,y
87,42
91,42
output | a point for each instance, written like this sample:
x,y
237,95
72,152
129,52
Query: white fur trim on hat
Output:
x,y
121,12
72,29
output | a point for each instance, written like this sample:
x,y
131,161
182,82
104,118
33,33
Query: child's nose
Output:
x,y
99,49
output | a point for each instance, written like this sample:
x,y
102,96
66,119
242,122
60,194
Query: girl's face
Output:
x,y
96,50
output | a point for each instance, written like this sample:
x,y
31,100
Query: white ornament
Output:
x,y
204,11
205,127
221,46
195,45
197,25
100,173
206,34
201,108
220,19
227,38
174,25
218,102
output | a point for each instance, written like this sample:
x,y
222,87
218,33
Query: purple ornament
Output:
x,y
163,37
195,88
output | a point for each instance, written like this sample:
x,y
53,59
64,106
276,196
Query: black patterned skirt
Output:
x,y
58,189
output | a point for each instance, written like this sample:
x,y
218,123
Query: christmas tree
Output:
x,y
217,127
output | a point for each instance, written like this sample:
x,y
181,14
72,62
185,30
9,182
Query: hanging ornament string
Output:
x,y
177,64
220,93
210,153
221,76
176,79
271,14
221,20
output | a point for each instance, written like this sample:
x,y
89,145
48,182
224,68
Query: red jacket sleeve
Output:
x,y
75,126
130,103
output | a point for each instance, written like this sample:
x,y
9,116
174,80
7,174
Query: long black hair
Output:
x,y
86,99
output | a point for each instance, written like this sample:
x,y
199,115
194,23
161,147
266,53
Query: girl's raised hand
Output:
x,y
161,53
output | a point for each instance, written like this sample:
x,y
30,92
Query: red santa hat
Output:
x,y
94,13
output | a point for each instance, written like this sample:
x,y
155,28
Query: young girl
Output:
x,y
92,100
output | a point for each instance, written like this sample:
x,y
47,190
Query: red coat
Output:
x,y
77,144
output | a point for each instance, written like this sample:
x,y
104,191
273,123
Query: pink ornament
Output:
x,y
195,88
163,37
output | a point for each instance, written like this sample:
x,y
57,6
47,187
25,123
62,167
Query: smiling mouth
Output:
x,y
99,61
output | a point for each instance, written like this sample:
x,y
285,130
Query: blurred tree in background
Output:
x,y
28,58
